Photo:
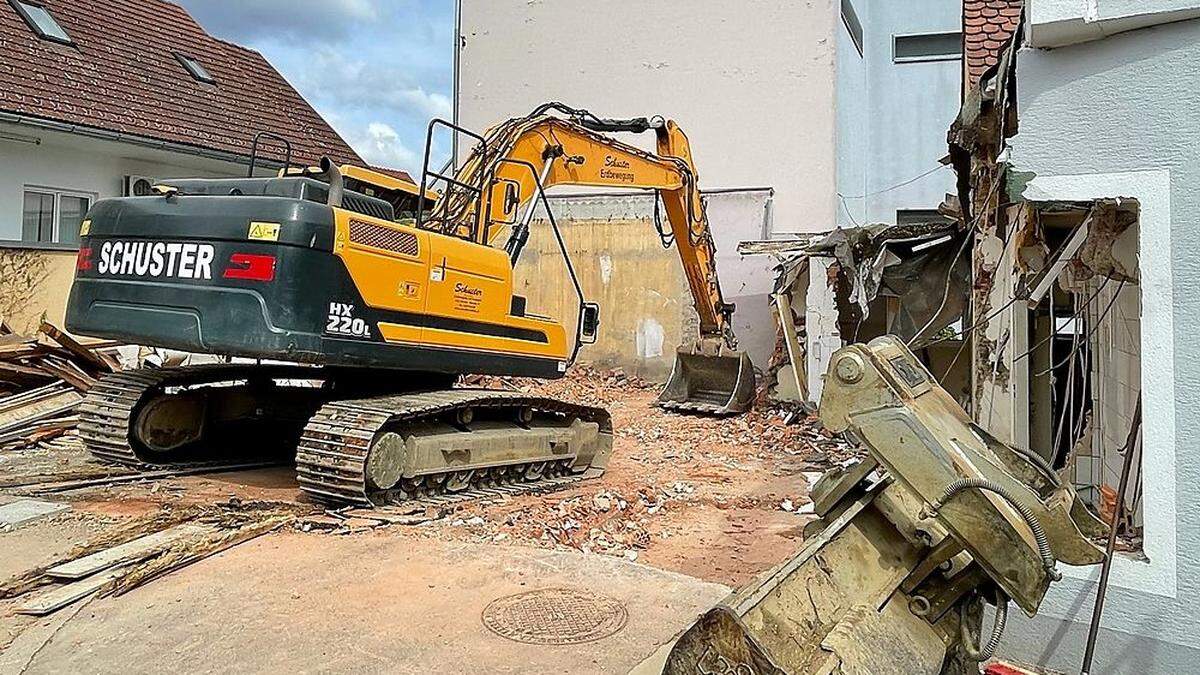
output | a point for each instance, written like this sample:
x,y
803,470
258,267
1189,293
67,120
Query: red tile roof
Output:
x,y
394,173
987,27
121,75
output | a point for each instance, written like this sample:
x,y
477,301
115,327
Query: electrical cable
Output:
x,y
954,263
1092,330
897,186
1044,340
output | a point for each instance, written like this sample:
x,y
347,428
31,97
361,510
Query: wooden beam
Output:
x,y
131,551
62,596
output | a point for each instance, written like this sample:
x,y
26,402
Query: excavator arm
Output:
x,y
523,156
493,195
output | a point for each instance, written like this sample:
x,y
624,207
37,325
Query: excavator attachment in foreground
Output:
x,y
936,520
709,380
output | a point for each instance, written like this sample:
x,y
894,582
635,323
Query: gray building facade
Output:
x,y
1109,110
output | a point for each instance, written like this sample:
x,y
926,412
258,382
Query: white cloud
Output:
x,y
380,145
319,20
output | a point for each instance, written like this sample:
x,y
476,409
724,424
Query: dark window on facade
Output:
x,y
918,216
53,216
927,47
41,21
194,68
853,25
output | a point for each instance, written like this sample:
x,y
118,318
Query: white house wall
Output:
x,y
75,163
751,83
911,106
1117,118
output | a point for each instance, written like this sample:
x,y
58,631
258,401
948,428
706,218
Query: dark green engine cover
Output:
x,y
183,273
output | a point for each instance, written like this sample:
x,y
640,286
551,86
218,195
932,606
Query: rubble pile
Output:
x,y
42,380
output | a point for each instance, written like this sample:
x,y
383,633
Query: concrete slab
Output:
x,y
15,514
371,603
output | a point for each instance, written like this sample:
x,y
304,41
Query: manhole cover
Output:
x,y
554,616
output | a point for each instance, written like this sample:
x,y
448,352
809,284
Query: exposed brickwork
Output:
x,y
987,27
121,75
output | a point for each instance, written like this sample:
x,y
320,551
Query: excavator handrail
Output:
x,y
450,180
562,246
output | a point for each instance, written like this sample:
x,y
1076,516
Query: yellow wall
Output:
x,y
33,283
645,305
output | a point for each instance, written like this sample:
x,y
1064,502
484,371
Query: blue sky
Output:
x,y
377,70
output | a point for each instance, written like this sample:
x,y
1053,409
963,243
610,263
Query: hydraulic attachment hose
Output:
x,y
1039,534
987,651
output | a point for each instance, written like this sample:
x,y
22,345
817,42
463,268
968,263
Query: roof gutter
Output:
x,y
132,139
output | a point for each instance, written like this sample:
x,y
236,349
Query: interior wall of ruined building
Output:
x,y
1061,376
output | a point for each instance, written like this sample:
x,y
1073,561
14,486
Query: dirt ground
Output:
x,y
716,500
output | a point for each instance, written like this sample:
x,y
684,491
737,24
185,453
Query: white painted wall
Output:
x,y
76,163
751,83
1057,23
1116,118
853,122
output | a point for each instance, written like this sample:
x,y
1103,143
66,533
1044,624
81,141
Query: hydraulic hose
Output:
x,y
1039,534
988,650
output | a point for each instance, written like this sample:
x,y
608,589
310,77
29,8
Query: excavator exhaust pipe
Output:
x,y
710,380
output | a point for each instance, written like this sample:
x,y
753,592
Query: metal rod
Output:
x,y
1135,428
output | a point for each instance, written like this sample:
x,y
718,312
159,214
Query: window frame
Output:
x,y
56,213
21,6
853,26
927,59
194,68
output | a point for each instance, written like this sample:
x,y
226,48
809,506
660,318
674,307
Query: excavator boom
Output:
x,y
495,192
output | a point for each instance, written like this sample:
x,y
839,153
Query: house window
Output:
x,y
853,25
927,47
194,68
41,21
53,216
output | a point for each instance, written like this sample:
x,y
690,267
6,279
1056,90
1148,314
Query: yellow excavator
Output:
x,y
355,301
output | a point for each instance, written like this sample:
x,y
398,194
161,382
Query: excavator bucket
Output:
x,y
709,381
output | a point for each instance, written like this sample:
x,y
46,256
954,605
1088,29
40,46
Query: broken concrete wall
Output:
x,y
33,283
645,304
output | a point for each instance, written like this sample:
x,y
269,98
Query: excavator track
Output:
x,y
109,414
348,446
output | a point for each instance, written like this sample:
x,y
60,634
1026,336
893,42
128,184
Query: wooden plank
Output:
x,y
145,475
64,595
72,345
131,551
67,373
796,357
51,404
